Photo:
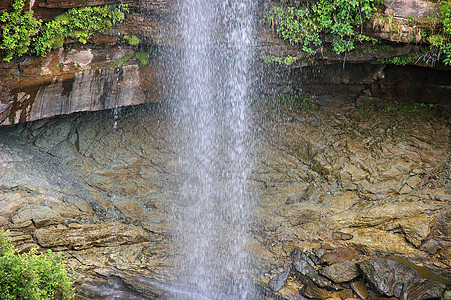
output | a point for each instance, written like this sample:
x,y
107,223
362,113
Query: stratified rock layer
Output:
x,y
337,184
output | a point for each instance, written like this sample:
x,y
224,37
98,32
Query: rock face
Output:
x,y
67,82
342,183
366,184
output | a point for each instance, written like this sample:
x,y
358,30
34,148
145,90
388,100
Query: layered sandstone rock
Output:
x,y
340,184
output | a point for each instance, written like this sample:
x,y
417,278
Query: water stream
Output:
x,y
211,88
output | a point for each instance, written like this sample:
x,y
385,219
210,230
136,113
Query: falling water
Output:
x,y
211,88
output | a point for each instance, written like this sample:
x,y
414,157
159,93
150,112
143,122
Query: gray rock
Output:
x,y
393,278
40,215
277,282
305,266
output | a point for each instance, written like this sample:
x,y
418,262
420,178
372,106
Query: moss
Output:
x,y
120,62
398,60
132,40
143,57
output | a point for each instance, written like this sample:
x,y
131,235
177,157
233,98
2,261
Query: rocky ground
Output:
x,y
353,198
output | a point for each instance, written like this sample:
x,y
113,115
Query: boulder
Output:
x,y
341,272
277,282
39,215
393,278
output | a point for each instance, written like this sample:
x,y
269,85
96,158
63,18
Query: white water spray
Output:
x,y
213,144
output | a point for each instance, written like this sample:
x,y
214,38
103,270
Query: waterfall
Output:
x,y
211,67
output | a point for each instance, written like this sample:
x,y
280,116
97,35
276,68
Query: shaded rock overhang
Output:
x,y
88,78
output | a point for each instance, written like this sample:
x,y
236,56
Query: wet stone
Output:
x,y
392,278
342,236
341,272
339,255
360,289
277,282
305,267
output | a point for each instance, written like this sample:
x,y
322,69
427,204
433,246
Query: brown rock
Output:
x,y
130,210
339,255
393,278
341,272
312,291
341,236
417,228
431,246
82,236
360,289
277,282
416,8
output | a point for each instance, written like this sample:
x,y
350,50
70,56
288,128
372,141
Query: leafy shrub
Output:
x,y
31,276
398,60
18,29
445,47
303,25
341,17
297,26
22,33
79,24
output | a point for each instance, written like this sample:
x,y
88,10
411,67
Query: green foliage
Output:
x,y
445,46
22,33
295,101
438,35
341,17
303,24
17,30
79,24
31,276
445,10
143,57
287,60
418,107
132,40
296,25
398,60
120,62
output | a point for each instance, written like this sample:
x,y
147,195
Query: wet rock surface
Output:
x,y
365,184
395,279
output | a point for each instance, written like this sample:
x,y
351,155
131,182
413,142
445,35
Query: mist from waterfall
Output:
x,y
211,89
